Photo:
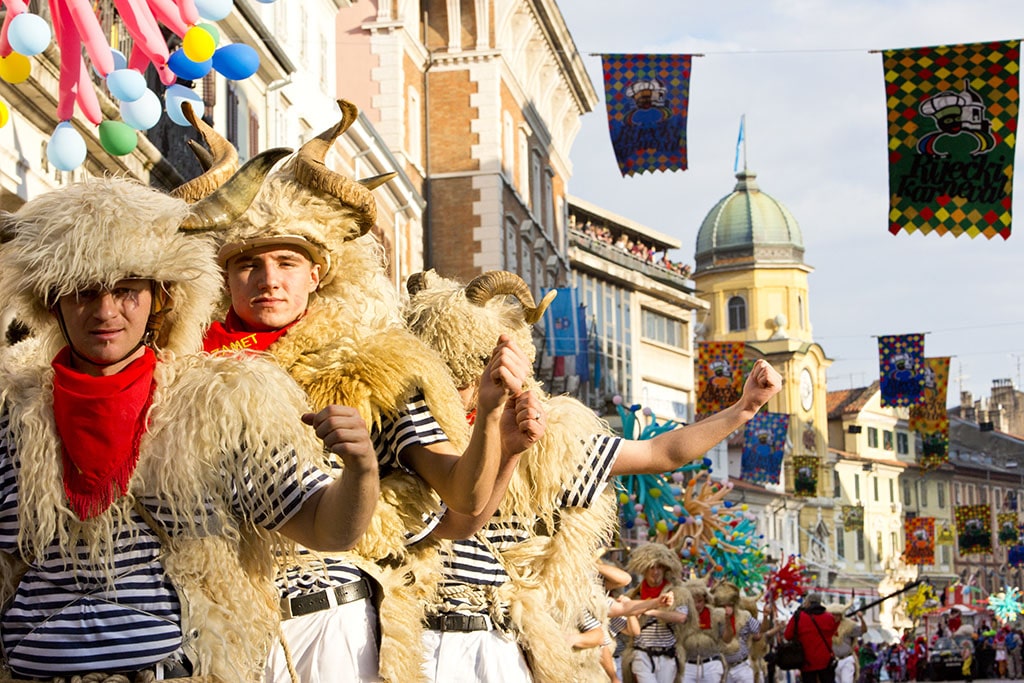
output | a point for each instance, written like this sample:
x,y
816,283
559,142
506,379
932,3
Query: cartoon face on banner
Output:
x,y
719,375
901,371
853,517
973,525
1009,533
920,541
805,475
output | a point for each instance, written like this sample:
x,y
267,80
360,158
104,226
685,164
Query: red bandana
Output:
x,y
647,592
100,421
705,618
233,335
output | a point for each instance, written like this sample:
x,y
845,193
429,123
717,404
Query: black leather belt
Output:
x,y
457,622
318,601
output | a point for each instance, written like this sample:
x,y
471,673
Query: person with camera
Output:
x,y
813,627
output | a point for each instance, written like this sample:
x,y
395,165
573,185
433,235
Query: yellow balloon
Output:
x,y
15,67
4,115
198,44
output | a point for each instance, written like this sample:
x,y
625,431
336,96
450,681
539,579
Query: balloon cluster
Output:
x,y
75,24
1006,605
788,582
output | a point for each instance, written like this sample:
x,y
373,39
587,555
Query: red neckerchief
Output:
x,y
705,618
471,417
100,421
647,592
234,335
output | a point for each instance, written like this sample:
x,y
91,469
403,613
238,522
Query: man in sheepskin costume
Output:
x,y
308,287
143,486
655,654
741,615
844,641
527,581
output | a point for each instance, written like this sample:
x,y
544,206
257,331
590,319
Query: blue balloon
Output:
x,y
120,62
28,34
126,85
143,113
183,67
213,10
175,95
66,149
236,61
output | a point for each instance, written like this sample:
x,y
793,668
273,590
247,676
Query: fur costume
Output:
x,y
641,559
547,593
744,609
204,410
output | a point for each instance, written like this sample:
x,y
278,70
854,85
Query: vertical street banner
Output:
x,y
805,476
945,535
763,448
1008,531
901,369
929,418
853,517
1015,555
719,375
647,98
919,534
952,113
974,529
565,322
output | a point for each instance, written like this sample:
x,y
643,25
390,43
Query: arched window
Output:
x,y
737,314
800,313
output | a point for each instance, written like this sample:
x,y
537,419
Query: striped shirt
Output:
x,y
415,425
471,562
64,619
743,634
655,633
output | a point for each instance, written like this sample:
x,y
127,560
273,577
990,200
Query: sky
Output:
x,y
804,75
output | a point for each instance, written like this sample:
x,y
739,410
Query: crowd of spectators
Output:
x,y
644,252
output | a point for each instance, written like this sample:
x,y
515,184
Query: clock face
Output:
x,y
806,389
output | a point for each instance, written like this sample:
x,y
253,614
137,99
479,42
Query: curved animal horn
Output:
x,y
311,171
232,199
219,164
494,283
415,283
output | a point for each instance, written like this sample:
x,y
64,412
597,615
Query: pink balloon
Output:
x,y
138,59
167,13
144,30
88,102
167,77
187,10
92,36
14,8
70,62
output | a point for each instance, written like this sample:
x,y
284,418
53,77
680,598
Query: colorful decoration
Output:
x,y
952,129
565,324
1006,604
1009,533
945,535
853,517
928,417
788,582
805,475
719,376
920,601
919,548
647,98
974,529
901,369
764,446
1015,555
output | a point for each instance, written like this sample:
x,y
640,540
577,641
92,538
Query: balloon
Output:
x,y
66,149
118,138
143,113
265,2
213,10
126,85
183,67
236,62
120,62
175,95
29,34
4,115
89,32
212,30
15,67
198,45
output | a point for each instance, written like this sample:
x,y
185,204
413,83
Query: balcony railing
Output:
x,y
621,257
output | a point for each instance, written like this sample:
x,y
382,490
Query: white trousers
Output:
x,y
709,671
740,673
845,669
337,644
654,669
473,657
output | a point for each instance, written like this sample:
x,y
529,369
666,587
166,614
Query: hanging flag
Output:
x,y
929,418
901,369
719,375
919,534
945,535
647,98
952,129
739,144
805,476
566,336
974,529
764,445
853,517
1015,555
1008,534
584,344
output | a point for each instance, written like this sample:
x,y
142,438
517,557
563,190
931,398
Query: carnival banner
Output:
x,y
1015,555
974,529
763,448
901,369
565,323
805,476
853,517
1009,533
945,535
719,376
647,98
929,418
952,128
920,540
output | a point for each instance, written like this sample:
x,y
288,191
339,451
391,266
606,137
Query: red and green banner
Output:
x,y
952,128
901,369
929,418
974,529
647,98
719,375
763,448
919,534
1008,531
805,476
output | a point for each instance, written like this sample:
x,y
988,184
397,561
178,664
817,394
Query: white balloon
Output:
x,y
143,113
66,149
213,10
175,95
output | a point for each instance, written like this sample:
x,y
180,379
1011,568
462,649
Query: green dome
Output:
x,y
748,226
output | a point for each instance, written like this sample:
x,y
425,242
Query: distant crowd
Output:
x,y
638,249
